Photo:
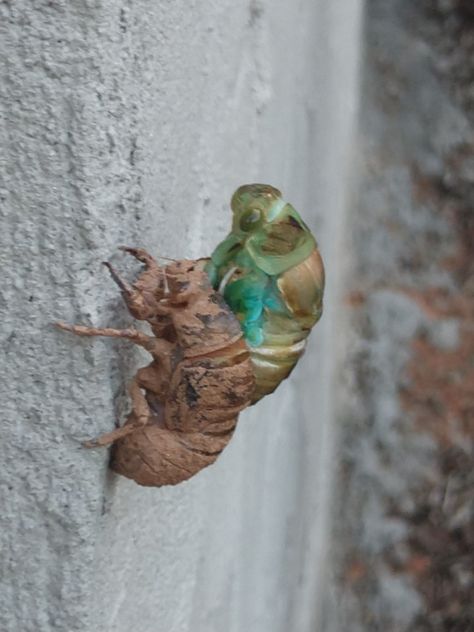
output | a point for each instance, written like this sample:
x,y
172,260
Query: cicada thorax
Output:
x,y
271,274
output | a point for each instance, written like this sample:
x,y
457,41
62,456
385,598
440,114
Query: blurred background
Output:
x,y
344,502
403,531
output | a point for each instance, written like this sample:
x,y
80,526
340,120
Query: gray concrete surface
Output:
x,y
132,123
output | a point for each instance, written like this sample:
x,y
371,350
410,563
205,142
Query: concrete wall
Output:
x,y
132,123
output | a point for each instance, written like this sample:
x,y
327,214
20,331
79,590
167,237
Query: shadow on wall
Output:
x,y
406,475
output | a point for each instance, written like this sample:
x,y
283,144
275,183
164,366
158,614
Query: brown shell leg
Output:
x,y
110,437
158,348
134,335
143,256
139,299
151,288
139,417
153,378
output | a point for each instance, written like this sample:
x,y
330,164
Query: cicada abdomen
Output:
x,y
271,275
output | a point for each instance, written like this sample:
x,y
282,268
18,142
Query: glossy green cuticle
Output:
x,y
270,273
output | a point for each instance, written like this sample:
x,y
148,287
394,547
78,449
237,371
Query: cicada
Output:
x,y
186,402
271,274
225,332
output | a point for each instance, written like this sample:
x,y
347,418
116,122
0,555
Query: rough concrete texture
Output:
x,y
404,538
132,123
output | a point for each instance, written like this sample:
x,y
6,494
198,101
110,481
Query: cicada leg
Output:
x,y
110,437
139,417
143,256
134,335
144,296
159,348
141,298
151,379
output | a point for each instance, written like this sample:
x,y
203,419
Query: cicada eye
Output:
x,y
250,219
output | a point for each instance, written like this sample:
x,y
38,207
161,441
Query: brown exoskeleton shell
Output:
x,y
186,402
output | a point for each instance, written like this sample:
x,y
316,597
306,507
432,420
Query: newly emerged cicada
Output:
x,y
271,275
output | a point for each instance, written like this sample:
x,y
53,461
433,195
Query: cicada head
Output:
x,y
266,229
252,205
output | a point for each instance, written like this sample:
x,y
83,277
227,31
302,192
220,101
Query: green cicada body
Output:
x,y
271,275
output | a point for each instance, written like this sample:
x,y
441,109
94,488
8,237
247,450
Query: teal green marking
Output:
x,y
268,237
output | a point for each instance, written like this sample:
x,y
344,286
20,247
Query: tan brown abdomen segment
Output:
x,y
154,456
205,396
